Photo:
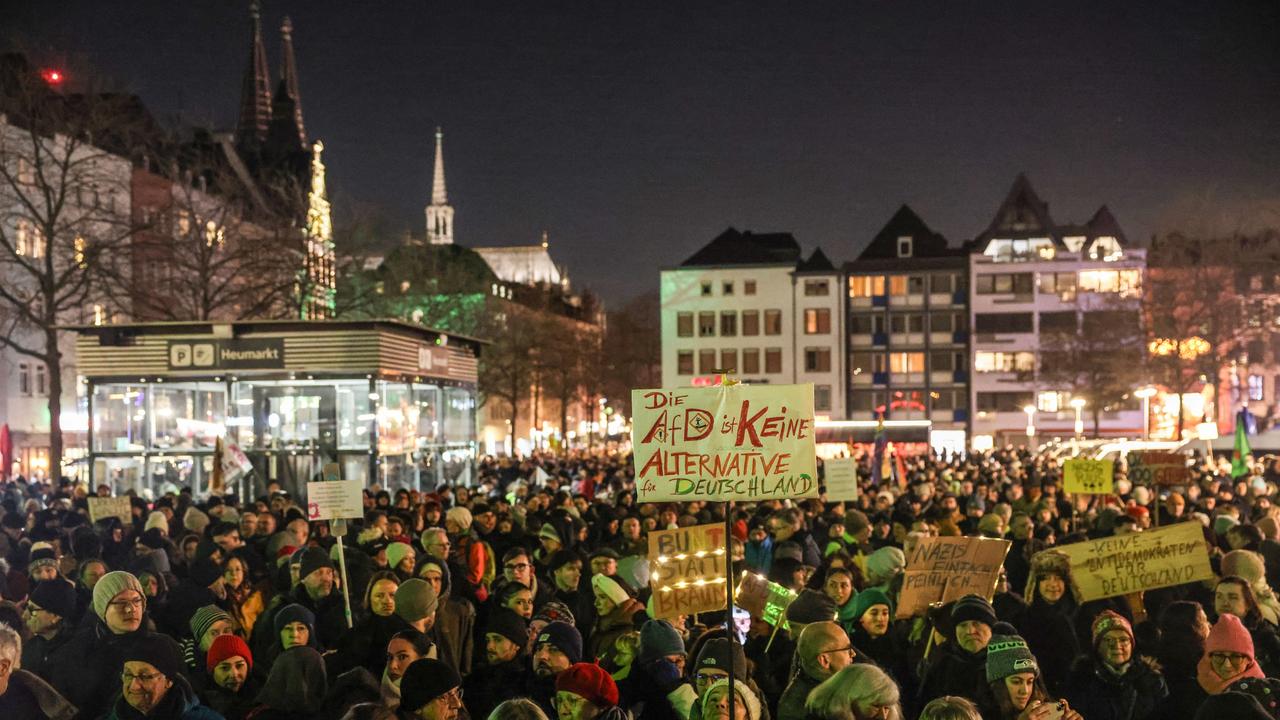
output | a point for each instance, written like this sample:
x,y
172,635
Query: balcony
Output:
x,y
879,339
880,301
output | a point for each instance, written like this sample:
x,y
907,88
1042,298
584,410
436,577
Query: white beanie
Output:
x,y
157,519
607,586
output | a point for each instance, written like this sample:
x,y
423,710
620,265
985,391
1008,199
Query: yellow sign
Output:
x,y
942,569
729,442
119,507
1123,564
1088,477
687,570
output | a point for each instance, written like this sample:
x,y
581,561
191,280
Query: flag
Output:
x,y
877,458
1238,464
217,481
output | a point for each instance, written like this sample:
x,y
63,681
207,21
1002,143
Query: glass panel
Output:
x,y
119,417
397,419
187,415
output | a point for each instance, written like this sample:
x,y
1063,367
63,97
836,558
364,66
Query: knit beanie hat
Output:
x,y
560,558
658,639
715,653
157,520
396,552
313,559
227,646
425,680
204,618
610,588
549,532
195,520
589,681
884,564
415,600
811,606
867,599
1009,655
563,637
459,516
42,554
293,612
57,596
1223,523
1229,635
111,585
972,607
744,693
1109,620
1245,563
158,650
509,625
554,611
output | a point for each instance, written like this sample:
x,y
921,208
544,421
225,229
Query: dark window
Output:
x,y
866,324
1003,323
817,360
941,362
1058,321
772,322
748,287
750,322
684,324
706,324
684,362
1003,401
727,287
706,361
728,324
706,289
773,360
750,361
729,361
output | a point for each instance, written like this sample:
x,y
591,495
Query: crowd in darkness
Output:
x,y
526,597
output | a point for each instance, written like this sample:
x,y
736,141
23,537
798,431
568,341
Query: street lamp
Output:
x,y
1030,410
1078,405
1146,393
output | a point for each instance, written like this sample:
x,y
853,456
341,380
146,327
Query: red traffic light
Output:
x,y
51,76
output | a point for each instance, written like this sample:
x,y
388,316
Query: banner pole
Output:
x,y
730,623
339,528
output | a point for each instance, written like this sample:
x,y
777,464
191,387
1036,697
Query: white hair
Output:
x,y
10,646
855,692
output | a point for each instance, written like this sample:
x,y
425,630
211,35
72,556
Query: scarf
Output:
x,y
1215,685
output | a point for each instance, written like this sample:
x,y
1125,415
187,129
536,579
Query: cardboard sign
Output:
x,y
1158,468
120,507
942,569
336,499
842,479
765,600
727,442
1088,477
687,570
1124,564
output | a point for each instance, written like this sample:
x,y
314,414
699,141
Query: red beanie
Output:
x,y
591,682
1229,635
227,646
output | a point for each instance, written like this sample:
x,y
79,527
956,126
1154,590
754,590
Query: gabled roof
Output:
x,y
817,262
1022,215
732,247
906,223
1104,223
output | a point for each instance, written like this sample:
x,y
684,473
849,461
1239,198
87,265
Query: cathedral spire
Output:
x,y
438,194
289,76
439,212
255,92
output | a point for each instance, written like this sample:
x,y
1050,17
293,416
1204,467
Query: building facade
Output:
x,y
908,329
1030,280
748,305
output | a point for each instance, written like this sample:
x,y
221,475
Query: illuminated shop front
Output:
x,y
390,403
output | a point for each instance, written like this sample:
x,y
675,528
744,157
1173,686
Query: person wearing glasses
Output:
x,y
153,684
1112,682
47,615
586,692
1228,663
430,690
822,650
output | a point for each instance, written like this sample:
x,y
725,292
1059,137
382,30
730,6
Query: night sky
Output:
x,y
634,132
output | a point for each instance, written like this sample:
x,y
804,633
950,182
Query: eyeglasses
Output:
x,y
122,605
1229,657
708,677
516,566
1118,642
144,678
453,696
850,650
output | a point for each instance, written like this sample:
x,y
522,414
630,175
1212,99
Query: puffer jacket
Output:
x,y
1099,694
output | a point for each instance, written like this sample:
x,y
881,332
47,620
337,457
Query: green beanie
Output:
x,y
867,599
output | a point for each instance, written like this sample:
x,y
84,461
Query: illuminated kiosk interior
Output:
x,y
836,438
389,402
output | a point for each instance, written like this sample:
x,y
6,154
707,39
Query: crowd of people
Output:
x,y
524,599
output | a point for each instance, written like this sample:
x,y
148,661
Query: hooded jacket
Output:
x,y
30,697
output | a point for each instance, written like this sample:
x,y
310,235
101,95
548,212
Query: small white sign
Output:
x,y
336,499
120,507
842,479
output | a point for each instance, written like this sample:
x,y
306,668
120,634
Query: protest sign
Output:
x,y
942,569
727,442
1124,564
335,499
1158,468
687,570
842,479
119,507
1088,477
765,600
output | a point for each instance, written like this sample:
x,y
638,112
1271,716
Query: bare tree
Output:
x,y
65,223
507,365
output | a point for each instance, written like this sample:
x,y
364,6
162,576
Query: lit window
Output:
x,y
817,321
1256,390
906,362
897,285
1050,402
866,286
79,250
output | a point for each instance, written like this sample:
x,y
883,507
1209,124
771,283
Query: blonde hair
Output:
x,y
854,693
950,707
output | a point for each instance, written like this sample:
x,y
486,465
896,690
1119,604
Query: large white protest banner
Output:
x,y
728,442
1124,564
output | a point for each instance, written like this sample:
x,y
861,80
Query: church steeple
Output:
x,y
287,130
439,212
255,92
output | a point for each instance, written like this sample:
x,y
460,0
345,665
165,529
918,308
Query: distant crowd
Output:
x,y
526,597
